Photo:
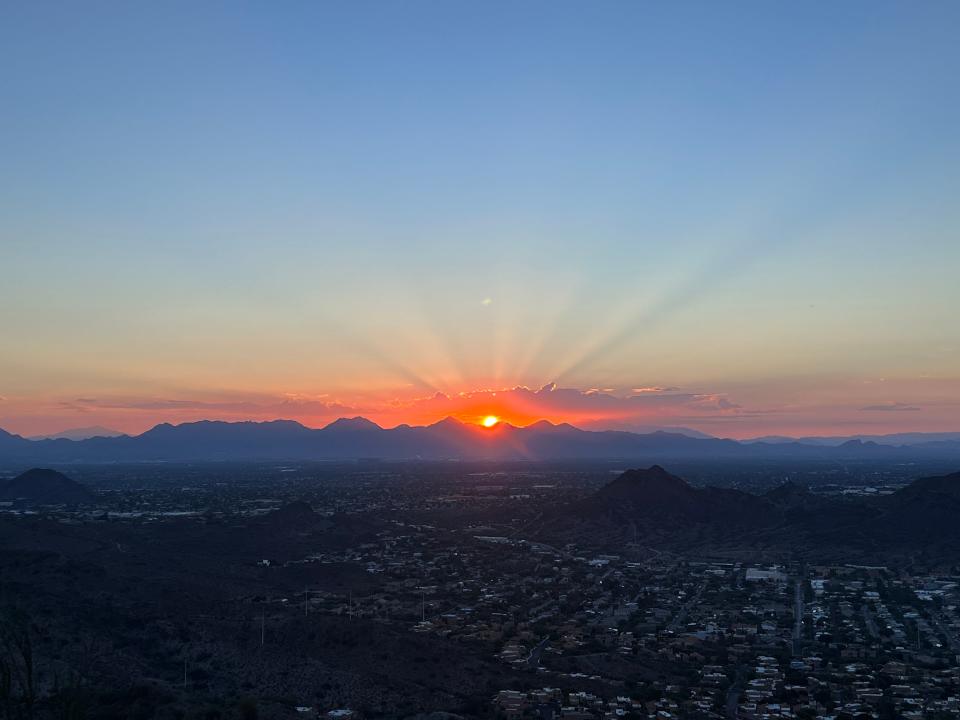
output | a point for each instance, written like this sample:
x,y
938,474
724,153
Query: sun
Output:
x,y
490,420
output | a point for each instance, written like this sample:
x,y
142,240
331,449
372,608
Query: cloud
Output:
x,y
290,404
79,404
891,407
597,407
594,407
715,401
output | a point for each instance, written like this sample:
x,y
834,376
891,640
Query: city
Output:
x,y
278,584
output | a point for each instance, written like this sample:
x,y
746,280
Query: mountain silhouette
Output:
x,y
352,425
81,433
655,494
943,487
10,443
352,438
652,506
894,439
40,486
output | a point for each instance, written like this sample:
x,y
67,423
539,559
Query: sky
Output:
x,y
736,217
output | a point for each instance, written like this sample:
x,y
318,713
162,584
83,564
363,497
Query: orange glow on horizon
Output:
x,y
490,408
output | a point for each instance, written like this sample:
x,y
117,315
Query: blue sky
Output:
x,y
753,200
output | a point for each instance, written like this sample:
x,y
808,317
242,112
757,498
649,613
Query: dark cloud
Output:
x,y
891,407
293,406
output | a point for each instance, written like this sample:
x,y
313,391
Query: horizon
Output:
x,y
483,424
734,219
644,410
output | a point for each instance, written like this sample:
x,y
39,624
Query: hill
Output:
x,y
44,487
943,487
655,508
657,496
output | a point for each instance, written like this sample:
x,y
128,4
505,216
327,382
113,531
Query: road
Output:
x,y
533,659
869,622
798,617
733,695
684,609
952,640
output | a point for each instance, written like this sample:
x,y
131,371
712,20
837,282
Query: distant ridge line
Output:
x,y
358,437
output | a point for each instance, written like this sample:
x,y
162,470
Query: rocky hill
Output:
x,y
44,487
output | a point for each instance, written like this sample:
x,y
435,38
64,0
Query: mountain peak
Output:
x,y
547,426
448,422
650,484
859,443
45,487
654,472
354,423
81,433
663,500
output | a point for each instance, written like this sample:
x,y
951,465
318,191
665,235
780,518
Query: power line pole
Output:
x,y
263,625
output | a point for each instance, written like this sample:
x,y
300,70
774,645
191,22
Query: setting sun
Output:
x,y
490,420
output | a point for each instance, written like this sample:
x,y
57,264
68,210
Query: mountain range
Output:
x,y
81,433
905,438
449,439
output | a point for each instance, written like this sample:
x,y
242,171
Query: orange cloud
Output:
x,y
594,407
